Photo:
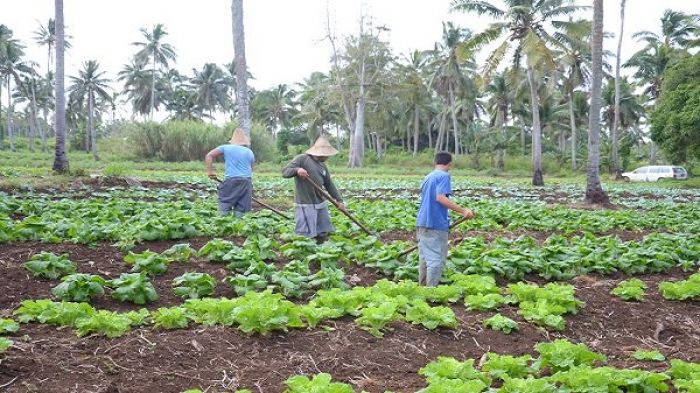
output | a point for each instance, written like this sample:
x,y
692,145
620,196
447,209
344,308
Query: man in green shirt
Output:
x,y
311,210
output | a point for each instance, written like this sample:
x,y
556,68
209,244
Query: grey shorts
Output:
x,y
432,251
312,220
235,193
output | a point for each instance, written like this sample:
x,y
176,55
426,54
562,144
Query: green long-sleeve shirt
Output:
x,y
304,192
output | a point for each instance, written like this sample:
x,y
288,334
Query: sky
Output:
x,y
284,38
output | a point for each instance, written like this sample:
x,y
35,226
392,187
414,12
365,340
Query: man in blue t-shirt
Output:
x,y
236,191
434,222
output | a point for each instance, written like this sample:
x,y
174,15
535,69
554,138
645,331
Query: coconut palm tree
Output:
x,y
60,163
45,35
616,123
522,22
678,30
210,89
13,67
594,190
414,88
242,97
574,60
89,86
156,52
138,87
500,99
450,78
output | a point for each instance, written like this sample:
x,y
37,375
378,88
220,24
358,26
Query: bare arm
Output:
x,y
209,159
445,201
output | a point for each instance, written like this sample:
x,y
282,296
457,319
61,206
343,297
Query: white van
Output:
x,y
656,173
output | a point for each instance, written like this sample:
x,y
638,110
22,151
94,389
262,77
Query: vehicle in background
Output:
x,y
656,173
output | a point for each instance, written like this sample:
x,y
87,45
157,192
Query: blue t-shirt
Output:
x,y
238,160
431,213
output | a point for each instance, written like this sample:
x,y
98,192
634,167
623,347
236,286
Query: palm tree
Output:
x,y
501,96
242,98
677,30
414,89
449,78
573,42
156,52
522,22
13,68
621,108
45,35
90,85
594,190
616,123
138,87
60,163
210,88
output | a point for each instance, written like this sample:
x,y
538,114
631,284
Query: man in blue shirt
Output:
x,y
236,191
434,221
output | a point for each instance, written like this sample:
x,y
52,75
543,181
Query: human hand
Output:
x,y
212,175
342,207
301,172
468,213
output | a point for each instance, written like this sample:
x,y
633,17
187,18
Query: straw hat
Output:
x,y
322,148
239,138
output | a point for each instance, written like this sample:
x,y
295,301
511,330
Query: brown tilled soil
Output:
x,y
217,359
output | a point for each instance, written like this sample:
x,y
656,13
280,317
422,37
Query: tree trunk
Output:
x,y
416,128
594,190
652,152
10,131
572,121
430,134
537,179
501,152
617,170
441,132
60,163
357,142
522,140
242,99
153,84
2,132
37,125
453,107
91,126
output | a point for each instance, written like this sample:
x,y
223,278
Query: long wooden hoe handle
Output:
x,y
263,204
336,204
413,248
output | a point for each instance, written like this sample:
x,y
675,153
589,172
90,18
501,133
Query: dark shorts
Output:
x,y
235,193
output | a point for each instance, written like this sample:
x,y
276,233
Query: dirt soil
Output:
x,y
46,359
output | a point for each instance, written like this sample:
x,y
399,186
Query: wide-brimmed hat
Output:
x,y
322,148
239,138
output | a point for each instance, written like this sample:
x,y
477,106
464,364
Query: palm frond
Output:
x,y
478,7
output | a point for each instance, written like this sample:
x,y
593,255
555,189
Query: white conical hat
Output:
x,y
239,138
322,148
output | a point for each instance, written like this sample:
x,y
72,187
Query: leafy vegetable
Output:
x,y
134,288
5,344
320,383
501,323
194,285
505,366
50,265
147,262
171,318
484,302
632,289
431,317
103,322
79,287
681,290
561,355
375,318
8,326
652,356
